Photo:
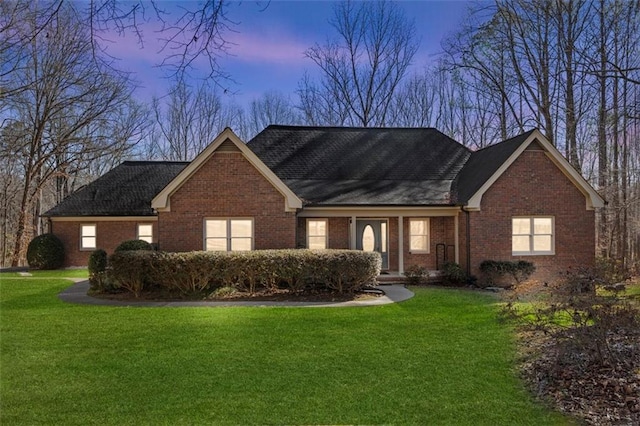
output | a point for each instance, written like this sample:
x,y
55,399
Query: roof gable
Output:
x,y
485,166
225,142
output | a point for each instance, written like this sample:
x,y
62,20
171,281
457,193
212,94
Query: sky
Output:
x,y
268,43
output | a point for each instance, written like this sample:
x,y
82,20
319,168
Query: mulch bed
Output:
x,y
258,296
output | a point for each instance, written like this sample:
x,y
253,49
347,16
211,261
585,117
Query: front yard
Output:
x,y
439,358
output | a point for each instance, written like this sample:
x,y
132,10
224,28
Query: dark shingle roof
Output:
x,y
126,190
362,166
482,165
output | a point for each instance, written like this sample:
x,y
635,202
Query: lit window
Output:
x,y
228,234
87,237
419,235
532,235
145,232
317,234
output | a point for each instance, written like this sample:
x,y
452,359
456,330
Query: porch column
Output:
x,y
456,244
352,237
400,245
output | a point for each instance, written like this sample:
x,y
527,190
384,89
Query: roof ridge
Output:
x,y
341,128
527,133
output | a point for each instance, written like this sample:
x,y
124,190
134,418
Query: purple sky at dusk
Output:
x,y
268,44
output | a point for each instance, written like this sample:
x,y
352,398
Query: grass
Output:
x,y
58,273
439,358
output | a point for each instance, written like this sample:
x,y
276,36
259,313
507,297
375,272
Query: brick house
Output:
x,y
415,195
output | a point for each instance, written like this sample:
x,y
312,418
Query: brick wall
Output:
x,y
533,186
108,235
226,186
441,231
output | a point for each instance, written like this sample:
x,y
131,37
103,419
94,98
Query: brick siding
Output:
x,y
226,186
108,235
534,186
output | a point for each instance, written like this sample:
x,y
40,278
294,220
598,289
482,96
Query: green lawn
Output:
x,y
439,358
58,273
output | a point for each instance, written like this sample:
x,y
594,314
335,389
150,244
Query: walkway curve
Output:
x,y
77,293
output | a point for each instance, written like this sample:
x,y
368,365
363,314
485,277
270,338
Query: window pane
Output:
x,y
317,243
542,243
240,244
88,242
216,228
521,226
520,243
542,225
88,231
241,228
216,244
145,233
383,237
418,243
317,227
417,227
368,239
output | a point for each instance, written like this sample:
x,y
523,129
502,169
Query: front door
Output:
x,y
371,235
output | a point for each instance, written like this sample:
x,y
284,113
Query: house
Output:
x,y
413,194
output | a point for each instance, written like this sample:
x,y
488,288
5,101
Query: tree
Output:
x,y
64,107
271,108
363,68
187,120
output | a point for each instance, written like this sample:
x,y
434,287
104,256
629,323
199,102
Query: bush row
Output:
x,y
342,271
506,273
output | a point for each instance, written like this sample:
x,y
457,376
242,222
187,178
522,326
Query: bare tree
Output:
x,y
362,69
187,120
64,108
271,108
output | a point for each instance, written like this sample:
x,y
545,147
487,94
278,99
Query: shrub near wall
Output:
x,y
342,271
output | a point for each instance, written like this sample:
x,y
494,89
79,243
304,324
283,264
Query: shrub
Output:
x,y
344,271
416,274
97,269
129,270
453,274
45,251
506,273
131,245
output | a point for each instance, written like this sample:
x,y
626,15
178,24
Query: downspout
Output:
x,y
468,243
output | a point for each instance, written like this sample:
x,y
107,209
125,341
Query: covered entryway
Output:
x,y
372,235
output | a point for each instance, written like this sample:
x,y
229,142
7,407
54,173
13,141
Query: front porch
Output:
x,y
423,236
395,277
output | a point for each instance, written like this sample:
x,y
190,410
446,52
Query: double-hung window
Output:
x,y
88,237
145,232
532,235
228,234
419,235
317,234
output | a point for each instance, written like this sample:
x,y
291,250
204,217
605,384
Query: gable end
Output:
x,y
537,141
225,142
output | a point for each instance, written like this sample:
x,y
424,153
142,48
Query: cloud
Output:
x,y
275,48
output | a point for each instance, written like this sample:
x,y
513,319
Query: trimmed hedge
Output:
x,y
45,251
130,245
514,272
343,271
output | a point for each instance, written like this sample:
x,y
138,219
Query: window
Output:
x,y
145,232
228,234
317,234
419,235
532,235
87,237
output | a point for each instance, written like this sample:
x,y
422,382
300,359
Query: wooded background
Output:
x,y
68,113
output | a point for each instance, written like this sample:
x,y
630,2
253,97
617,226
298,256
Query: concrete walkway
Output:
x,y
77,293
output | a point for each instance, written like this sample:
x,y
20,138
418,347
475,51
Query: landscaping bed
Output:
x,y
589,368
